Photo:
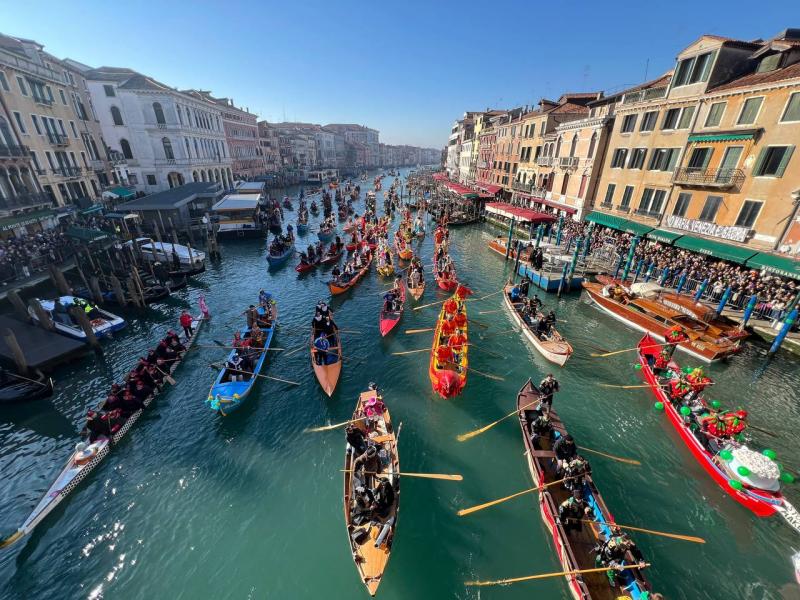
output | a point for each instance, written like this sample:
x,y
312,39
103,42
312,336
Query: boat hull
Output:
x,y
328,374
277,260
448,382
389,320
337,288
557,352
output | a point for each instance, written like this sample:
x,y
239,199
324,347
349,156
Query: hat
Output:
x,y
569,438
742,414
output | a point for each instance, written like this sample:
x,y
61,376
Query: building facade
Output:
x,y
241,134
49,114
164,137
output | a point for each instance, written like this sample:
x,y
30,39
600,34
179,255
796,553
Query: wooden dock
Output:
x,y
40,349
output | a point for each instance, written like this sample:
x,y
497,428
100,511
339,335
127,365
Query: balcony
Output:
x,y
41,100
14,151
21,201
68,172
57,139
545,161
568,162
522,187
645,95
605,205
647,213
713,178
625,208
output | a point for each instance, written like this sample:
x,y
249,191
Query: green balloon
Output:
x,y
770,454
743,471
787,477
659,405
686,411
737,485
637,366
687,370
726,455
715,404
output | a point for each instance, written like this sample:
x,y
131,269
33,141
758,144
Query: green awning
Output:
x,y
717,249
21,220
92,209
662,235
775,263
725,136
606,220
636,228
121,192
469,196
86,235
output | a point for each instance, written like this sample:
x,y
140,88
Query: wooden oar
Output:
x,y
487,375
557,574
622,387
469,511
239,348
677,536
769,433
468,436
167,376
431,304
421,475
630,461
484,297
595,355
334,426
420,330
10,539
219,366
306,346
490,312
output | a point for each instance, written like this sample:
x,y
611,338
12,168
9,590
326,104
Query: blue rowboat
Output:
x,y
302,228
225,395
326,236
275,260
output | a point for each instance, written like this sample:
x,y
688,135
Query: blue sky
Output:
x,y
407,68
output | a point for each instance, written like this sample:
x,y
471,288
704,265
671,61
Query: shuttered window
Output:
x,y
749,213
792,112
772,161
715,114
750,111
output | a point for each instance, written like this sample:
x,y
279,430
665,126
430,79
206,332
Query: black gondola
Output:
x,y
15,388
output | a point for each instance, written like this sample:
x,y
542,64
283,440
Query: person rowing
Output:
x,y
547,388
565,450
573,510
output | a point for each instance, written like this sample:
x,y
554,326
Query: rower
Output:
x,y
252,316
524,285
548,387
322,309
97,427
321,346
565,450
233,365
573,510
384,498
612,552
367,462
355,438
336,273
550,320
661,362
577,469
541,427
264,297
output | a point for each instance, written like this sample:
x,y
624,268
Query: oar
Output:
x,y
219,366
431,304
421,475
167,376
467,436
622,387
483,297
630,461
306,346
469,511
334,426
487,375
490,312
10,539
221,345
478,323
677,536
769,433
557,574
420,330
595,355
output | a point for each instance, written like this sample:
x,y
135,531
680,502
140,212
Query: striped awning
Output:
x,y
725,136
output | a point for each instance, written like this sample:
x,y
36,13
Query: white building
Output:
x,y
160,137
465,161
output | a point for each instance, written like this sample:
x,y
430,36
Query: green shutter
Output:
x,y
708,156
759,162
784,161
707,66
673,158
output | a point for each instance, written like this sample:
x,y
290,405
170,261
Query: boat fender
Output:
x,y
387,527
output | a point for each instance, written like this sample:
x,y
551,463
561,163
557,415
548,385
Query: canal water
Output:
x,y
192,505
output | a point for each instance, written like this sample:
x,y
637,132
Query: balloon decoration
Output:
x,y
743,471
770,454
637,366
787,477
715,404
659,405
687,370
726,455
686,411
737,485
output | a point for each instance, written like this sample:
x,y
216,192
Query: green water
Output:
x,y
192,505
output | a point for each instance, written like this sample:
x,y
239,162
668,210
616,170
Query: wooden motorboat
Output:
x,y
551,345
448,369
574,546
371,532
327,365
650,315
86,456
340,288
16,388
388,319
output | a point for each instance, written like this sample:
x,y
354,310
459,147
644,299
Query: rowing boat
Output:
x,y
325,235
759,490
573,545
402,248
16,388
551,345
386,270
329,368
388,319
227,394
371,532
447,281
85,458
416,292
448,376
276,260
337,288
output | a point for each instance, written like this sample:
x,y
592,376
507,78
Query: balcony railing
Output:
x,y
716,178
647,213
568,162
545,161
644,95
24,201
67,171
57,139
522,187
605,205
13,151
624,208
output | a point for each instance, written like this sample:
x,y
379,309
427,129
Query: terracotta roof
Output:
x,y
570,108
754,79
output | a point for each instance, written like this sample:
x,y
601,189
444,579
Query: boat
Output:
x,y
574,548
85,458
341,288
326,235
552,346
331,257
404,252
327,374
227,395
16,388
304,267
449,377
416,292
190,261
276,260
371,539
445,282
759,491
386,270
103,322
646,313
388,319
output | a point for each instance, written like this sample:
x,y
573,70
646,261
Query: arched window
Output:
x,y
558,147
116,116
196,150
592,144
159,113
180,114
126,148
167,148
6,137
188,152
573,145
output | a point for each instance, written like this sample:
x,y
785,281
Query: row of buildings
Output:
x,y
70,133
706,149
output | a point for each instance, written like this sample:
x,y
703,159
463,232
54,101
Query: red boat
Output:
x,y
305,267
331,258
750,477
388,319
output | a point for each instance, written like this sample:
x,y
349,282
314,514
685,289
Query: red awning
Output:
x,y
490,188
439,176
521,214
458,188
567,209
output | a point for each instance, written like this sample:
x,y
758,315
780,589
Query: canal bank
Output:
x,y
192,505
